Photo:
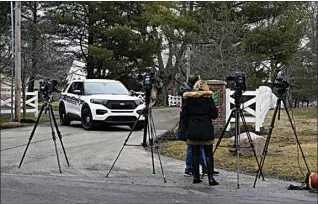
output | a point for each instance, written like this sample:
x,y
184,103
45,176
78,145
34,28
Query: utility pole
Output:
x,y
316,45
17,108
188,62
12,60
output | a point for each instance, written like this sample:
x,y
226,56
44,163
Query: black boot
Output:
x,y
210,164
195,163
205,171
212,181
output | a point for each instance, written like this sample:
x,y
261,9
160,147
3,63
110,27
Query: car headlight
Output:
x,y
98,101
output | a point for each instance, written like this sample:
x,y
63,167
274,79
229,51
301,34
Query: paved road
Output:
x,y
91,154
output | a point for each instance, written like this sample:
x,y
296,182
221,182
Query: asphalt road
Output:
x,y
91,154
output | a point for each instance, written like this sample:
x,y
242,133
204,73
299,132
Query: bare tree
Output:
x,y
5,53
218,49
40,53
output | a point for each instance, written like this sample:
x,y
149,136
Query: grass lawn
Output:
x,y
283,158
55,106
5,118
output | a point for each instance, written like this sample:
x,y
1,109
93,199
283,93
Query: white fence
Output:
x,y
263,100
31,104
174,100
139,94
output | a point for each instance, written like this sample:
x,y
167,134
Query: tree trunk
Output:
x,y
165,99
90,67
316,50
90,60
31,84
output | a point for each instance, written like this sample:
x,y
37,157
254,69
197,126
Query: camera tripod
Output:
x,y
48,108
149,129
280,101
237,112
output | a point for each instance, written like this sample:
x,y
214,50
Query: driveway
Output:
x,y
91,154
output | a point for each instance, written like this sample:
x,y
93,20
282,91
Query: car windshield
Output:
x,y
114,88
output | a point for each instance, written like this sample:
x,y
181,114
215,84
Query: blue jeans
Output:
x,y
189,158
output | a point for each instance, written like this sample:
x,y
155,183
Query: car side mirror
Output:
x,y
77,92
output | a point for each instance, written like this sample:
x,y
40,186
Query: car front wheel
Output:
x,y
87,119
64,121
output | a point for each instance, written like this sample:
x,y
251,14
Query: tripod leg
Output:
x,y
157,148
54,138
250,140
32,134
150,137
237,145
294,130
144,142
265,150
278,118
132,129
223,131
59,134
163,173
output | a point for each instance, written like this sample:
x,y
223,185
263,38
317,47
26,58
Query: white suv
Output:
x,y
100,101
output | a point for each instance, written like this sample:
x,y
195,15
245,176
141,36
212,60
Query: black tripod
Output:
x,y
280,100
150,129
237,112
48,108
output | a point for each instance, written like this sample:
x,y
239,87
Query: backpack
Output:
x,y
311,183
312,180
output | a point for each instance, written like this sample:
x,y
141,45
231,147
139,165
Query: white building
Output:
x,y
5,87
77,71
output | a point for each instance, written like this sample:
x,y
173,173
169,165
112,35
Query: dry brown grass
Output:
x,y
283,159
8,125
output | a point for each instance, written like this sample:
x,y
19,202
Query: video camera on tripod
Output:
x,y
48,86
280,85
149,83
279,88
239,86
238,83
146,82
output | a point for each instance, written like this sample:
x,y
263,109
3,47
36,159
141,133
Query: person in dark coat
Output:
x,y
198,111
182,131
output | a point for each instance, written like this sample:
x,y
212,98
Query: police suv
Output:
x,y
100,101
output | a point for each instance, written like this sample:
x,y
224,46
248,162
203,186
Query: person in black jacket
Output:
x,y
198,111
193,78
